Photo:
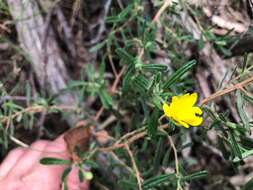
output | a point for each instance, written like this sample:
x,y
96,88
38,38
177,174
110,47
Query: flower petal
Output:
x,y
184,124
189,99
197,110
196,121
166,110
175,99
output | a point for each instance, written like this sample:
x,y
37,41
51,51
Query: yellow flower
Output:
x,y
182,110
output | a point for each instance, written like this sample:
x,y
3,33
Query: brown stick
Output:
x,y
227,90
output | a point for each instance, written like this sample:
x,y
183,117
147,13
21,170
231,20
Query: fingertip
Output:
x,y
60,139
39,145
58,145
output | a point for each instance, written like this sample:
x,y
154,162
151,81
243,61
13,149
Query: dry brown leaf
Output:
x,y
77,137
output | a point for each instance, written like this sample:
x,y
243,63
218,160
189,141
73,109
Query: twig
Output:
x,y
18,142
227,90
137,135
166,4
117,80
130,134
99,113
137,172
21,98
111,62
24,145
35,109
3,27
176,160
175,153
107,122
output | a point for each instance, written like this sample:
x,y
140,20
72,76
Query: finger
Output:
x,y
10,161
10,184
49,177
29,158
56,148
74,183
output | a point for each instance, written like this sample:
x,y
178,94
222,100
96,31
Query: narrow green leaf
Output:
x,y
90,71
54,161
65,174
75,83
235,147
125,56
153,67
105,98
153,123
157,102
91,164
197,175
65,185
127,76
141,83
201,43
223,149
179,73
157,180
246,142
101,71
159,152
97,46
243,155
248,99
28,92
122,16
81,175
241,112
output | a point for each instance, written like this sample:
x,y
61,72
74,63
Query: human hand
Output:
x,y
21,169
